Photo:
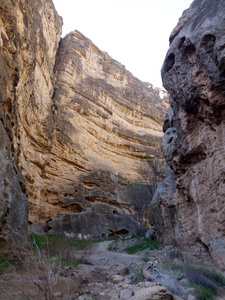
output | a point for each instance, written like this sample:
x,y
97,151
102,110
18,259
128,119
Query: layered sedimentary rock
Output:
x,y
28,45
107,124
80,124
191,202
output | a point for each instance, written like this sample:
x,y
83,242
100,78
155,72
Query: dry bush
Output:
x,y
40,265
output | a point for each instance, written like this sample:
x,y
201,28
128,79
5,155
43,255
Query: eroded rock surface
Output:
x,y
29,36
13,195
80,124
192,206
103,124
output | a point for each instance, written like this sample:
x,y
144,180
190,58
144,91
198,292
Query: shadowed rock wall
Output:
x,y
13,197
191,202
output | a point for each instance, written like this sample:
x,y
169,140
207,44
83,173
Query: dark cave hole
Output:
x,y
208,42
6,183
6,196
189,48
23,187
47,228
122,232
169,63
181,43
170,140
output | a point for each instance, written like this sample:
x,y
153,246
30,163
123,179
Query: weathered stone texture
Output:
x,y
29,36
107,123
75,122
193,144
13,197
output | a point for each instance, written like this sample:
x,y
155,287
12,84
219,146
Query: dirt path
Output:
x,y
102,256
110,273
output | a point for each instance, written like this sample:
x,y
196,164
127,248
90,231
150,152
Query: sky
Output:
x,y
133,32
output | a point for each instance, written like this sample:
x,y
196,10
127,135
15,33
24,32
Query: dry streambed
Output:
x,y
102,270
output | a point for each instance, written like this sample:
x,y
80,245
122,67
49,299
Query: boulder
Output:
x,y
150,234
156,292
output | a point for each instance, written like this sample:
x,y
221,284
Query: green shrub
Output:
x,y
40,241
205,281
49,241
113,248
141,245
203,293
5,265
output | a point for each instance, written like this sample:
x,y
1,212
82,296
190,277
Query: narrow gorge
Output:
x,y
76,125
76,128
83,144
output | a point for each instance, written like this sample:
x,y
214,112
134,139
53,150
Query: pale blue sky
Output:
x,y
134,32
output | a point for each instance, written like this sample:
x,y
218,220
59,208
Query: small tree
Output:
x,y
140,198
140,195
154,173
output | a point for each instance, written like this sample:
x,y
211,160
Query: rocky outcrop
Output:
x,y
191,202
79,123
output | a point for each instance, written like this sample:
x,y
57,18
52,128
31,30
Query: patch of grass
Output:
x,y
5,265
203,293
82,244
123,178
64,262
142,244
75,263
113,248
41,241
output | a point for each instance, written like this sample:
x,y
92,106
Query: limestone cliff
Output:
x,y
78,121
26,52
104,125
190,202
28,45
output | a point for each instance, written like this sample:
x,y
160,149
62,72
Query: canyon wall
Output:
x,y
80,125
107,125
189,207
29,36
13,198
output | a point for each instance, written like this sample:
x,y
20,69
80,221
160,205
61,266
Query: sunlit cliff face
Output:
x,y
75,117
